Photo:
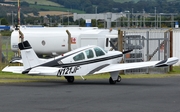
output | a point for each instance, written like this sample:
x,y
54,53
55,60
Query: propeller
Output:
x,y
124,52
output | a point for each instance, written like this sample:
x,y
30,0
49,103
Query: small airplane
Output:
x,y
79,62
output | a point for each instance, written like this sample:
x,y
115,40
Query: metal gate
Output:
x,y
148,45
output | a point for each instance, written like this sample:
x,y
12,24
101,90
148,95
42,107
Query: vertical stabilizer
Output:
x,y
28,55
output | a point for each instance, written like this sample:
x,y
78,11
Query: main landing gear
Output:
x,y
70,79
111,81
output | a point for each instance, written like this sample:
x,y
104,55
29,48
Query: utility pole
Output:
x,y
19,13
12,18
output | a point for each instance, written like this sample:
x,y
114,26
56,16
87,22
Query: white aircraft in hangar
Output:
x,y
80,62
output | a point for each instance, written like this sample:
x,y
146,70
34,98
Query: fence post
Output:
x,y
0,49
120,40
166,47
147,34
120,44
171,47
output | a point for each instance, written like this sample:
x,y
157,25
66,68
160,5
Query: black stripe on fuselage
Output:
x,y
53,63
90,61
98,68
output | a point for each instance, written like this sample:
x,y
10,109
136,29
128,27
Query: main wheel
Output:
x,y
111,81
70,79
119,79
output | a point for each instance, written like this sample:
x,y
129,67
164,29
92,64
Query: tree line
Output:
x,y
89,6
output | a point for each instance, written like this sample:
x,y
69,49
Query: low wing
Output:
x,y
126,66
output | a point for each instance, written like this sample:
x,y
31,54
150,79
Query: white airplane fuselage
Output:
x,y
69,66
90,65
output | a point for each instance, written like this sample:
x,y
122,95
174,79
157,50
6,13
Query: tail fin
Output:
x,y
29,57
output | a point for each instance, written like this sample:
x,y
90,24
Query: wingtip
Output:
x,y
167,62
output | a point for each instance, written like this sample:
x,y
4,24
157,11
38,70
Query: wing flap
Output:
x,y
126,66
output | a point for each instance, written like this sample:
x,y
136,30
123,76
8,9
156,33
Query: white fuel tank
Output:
x,y
55,40
47,40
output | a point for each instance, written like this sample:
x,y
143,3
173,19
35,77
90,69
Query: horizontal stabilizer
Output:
x,y
13,69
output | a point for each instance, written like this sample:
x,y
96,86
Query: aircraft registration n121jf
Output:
x,y
79,62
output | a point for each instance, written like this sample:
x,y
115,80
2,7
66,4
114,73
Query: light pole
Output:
x,y
144,24
128,18
155,17
12,18
132,18
62,19
96,14
68,17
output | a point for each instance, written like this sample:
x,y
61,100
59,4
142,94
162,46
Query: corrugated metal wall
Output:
x,y
176,44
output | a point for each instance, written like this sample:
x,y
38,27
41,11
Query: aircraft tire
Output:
x,y
111,81
119,79
70,79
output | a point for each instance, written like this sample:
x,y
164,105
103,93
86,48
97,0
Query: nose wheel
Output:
x,y
111,81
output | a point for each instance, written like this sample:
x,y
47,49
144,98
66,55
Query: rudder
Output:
x,y
28,55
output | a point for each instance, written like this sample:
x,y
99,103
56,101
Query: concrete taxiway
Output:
x,y
131,95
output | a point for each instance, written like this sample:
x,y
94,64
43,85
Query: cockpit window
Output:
x,y
89,53
79,57
98,52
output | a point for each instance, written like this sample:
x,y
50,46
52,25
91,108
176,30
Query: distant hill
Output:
x,y
38,8
93,6
38,2
122,1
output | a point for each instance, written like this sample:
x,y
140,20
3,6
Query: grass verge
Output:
x,y
14,78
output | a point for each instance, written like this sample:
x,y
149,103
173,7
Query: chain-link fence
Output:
x,y
7,53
